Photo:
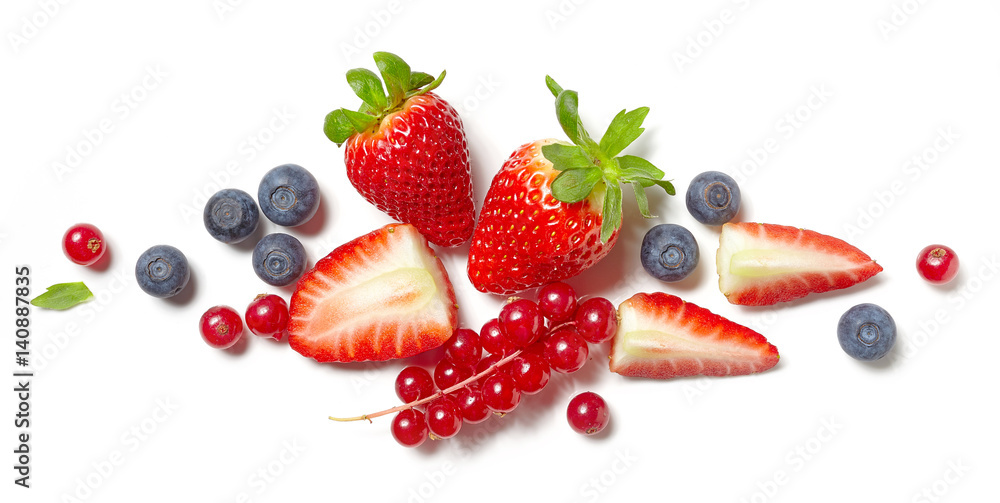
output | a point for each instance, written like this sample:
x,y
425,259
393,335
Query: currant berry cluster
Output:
x,y
487,373
266,316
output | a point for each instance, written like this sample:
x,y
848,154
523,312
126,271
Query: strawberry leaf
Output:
x,y
63,296
574,185
553,87
565,157
419,79
623,130
567,111
641,200
396,75
612,213
368,87
337,127
636,167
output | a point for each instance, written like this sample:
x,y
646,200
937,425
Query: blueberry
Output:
x,y
231,215
279,259
288,195
669,252
866,332
713,198
162,271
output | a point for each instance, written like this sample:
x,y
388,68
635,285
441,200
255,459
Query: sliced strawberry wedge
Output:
x,y
660,336
383,295
763,264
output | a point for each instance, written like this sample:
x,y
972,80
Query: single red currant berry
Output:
x,y
221,327
521,322
488,361
463,348
566,351
414,383
597,320
444,418
83,244
500,393
470,402
267,316
530,371
557,302
409,428
493,339
937,264
588,413
448,373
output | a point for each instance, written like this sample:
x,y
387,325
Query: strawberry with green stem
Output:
x,y
555,208
407,153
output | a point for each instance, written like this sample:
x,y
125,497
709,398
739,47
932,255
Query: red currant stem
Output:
x,y
398,408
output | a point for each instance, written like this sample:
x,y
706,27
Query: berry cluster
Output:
x,y
513,355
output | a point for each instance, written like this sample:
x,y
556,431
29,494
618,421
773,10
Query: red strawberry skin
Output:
x,y
525,237
763,264
415,168
383,295
660,337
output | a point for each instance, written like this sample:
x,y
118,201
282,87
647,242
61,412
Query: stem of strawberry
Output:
x,y
489,370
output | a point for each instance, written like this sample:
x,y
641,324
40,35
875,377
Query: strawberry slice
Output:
x,y
763,264
660,336
383,295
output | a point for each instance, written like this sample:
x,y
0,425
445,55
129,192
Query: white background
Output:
x,y
843,94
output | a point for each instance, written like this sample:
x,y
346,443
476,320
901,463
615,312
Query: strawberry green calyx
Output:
x,y
401,84
586,164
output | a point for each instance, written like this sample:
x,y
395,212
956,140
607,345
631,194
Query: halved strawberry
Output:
x,y
763,264
660,336
383,295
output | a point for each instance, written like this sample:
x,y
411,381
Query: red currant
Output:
x,y
444,417
557,302
937,264
597,320
588,413
500,393
521,322
267,316
463,348
530,372
83,244
493,339
566,351
470,402
489,360
448,373
409,428
414,383
221,327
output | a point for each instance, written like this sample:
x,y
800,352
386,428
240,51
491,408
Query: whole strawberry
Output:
x,y
554,209
406,150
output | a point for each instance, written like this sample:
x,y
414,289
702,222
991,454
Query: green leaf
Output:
x,y
612,213
567,111
666,186
636,167
419,79
368,87
553,87
396,75
564,156
63,296
337,127
574,185
623,130
430,86
641,199
360,121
